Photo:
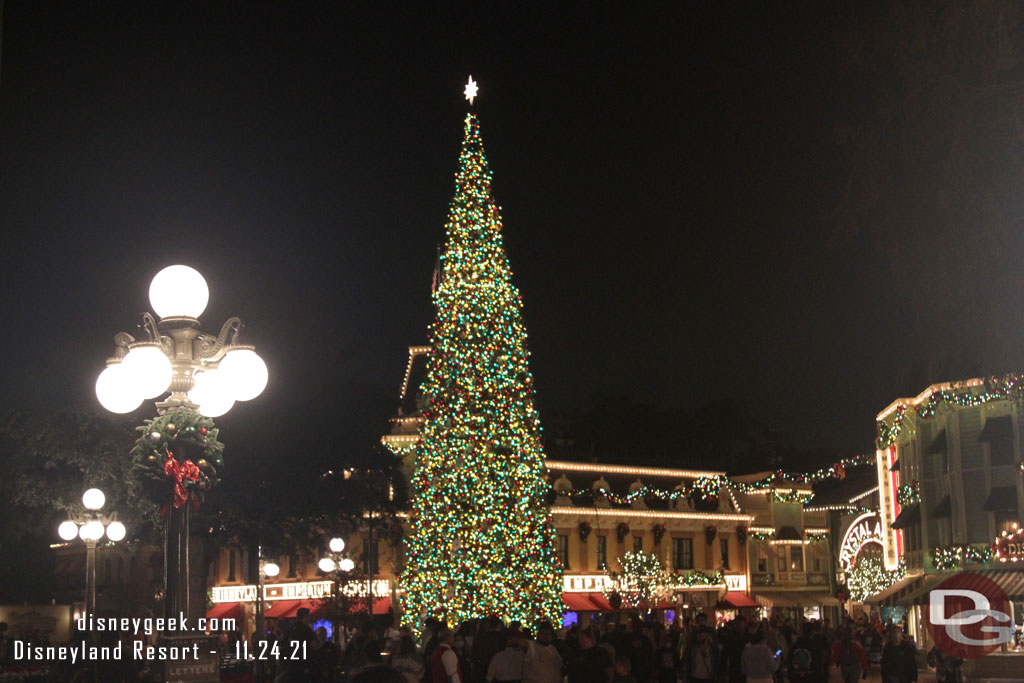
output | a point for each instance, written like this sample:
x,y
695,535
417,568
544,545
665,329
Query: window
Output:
x,y
1005,521
293,564
1000,452
682,553
602,552
563,550
724,544
762,561
796,558
231,566
638,543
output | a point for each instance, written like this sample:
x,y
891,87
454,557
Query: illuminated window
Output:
x,y
638,543
682,553
602,552
724,545
796,558
563,550
762,560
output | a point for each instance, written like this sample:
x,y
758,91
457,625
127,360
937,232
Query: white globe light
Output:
x,y
271,569
116,531
217,407
245,373
211,394
93,499
67,530
336,545
346,565
179,291
149,369
91,531
326,565
115,390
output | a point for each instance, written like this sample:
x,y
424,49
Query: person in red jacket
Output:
x,y
444,663
849,656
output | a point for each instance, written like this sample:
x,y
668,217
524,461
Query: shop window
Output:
x,y
638,544
682,553
563,550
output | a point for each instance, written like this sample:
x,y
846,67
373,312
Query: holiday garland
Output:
x,y
962,396
953,556
178,453
909,494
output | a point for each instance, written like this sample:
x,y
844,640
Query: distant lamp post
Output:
x,y
91,528
336,561
202,373
269,569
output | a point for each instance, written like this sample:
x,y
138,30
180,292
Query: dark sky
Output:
x,y
667,174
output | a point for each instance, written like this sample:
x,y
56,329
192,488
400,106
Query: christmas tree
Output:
x,y
481,540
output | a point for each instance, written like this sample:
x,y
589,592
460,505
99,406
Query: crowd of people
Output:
x,y
690,650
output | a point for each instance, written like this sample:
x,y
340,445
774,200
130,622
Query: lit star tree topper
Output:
x,y
471,90
481,540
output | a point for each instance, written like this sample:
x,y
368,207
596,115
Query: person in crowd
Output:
x,y
592,663
444,663
700,662
324,656
806,660
849,656
298,669
543,663
623,671
667,660
488,642
507,665
948,669
734,639
378,673
908,653
892,657
405,660
759,663
639,649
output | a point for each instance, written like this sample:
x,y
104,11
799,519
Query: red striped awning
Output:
x,y
381,605
600,602
578,602
738,600
279,609
225,610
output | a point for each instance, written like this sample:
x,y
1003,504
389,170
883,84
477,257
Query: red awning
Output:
x,y
279,609
578,602
738,600
600,602
224,609
381,605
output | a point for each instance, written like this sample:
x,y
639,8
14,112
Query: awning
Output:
x,y
1001,499
224,610
997,428
895,467
1012,582
774,598
938,444
944,509
788,533
381,605
738,600
279,609
578,602
600,602
890,594
908,515
818,599
917,594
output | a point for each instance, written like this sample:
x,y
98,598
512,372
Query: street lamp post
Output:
x,y
333,562
91,527
270,569
200,372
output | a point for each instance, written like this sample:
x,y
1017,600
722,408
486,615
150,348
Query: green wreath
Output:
x,y
178,452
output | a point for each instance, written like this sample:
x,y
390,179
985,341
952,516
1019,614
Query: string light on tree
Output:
x,y
481,539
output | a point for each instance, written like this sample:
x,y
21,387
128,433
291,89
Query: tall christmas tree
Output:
x,y
481,540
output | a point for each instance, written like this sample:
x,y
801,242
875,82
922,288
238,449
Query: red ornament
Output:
x,y
204,431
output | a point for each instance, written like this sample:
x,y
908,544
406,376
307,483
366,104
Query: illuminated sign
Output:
x,y
585,583
299,590
892,539
865,529
1009,546
736,583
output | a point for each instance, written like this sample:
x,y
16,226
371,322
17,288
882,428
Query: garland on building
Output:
x,y
959,395
949,557
178,456
481,538
870,577
909,494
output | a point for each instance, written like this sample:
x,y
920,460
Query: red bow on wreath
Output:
x,y
180,472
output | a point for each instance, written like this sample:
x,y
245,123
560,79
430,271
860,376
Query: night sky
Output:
x,y
668,173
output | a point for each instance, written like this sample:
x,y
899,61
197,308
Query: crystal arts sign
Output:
x,y
865,529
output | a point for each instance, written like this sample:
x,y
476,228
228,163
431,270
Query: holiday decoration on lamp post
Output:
x,y
178,456
91,528
481,540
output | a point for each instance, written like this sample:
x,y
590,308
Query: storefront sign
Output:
x,y
1009,546
585,583
299,590
736,583
865,529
